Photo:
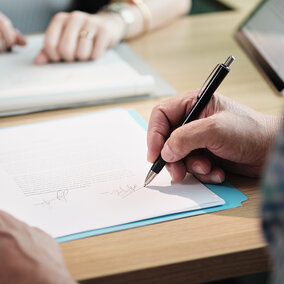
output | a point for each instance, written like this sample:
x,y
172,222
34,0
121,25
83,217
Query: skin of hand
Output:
x,y
9,36
28,255
64,41
227,136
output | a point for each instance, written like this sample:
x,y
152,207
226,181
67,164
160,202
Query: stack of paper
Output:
x,y
87,172
26,87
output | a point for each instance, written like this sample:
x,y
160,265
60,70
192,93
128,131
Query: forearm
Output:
x,y
162,12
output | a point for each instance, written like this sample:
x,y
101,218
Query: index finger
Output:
x,y
165,117
53,34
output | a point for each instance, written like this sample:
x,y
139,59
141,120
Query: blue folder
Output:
x,y
232,197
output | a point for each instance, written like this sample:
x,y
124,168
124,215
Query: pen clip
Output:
x,y
210,75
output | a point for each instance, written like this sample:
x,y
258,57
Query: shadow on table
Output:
x,y
250,208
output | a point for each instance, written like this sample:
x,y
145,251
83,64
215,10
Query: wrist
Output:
x,y
116,24
123,13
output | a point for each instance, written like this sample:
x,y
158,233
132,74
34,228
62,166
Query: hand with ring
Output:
x,y
9,36
80,36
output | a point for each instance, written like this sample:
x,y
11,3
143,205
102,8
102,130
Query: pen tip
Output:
x,y
151,175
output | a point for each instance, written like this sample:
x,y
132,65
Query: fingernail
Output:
x,y
167,153
198,169
216,179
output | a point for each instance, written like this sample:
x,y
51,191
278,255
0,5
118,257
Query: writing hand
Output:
x,y
227,137
80,36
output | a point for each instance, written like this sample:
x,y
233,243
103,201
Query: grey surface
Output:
x,y
162,88
32,16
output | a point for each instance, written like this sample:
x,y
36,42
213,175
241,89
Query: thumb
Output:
x,y
195,135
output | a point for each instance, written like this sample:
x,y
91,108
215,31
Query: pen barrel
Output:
x,y
158,165
207,93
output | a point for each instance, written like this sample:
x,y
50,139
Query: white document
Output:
x,y
87,172
26,86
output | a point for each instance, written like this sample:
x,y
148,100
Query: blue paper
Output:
x,y
233,198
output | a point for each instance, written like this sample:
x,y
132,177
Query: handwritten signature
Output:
x,y
61,196
124,192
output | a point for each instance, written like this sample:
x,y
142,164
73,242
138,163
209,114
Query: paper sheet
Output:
x,y
24,85
83,173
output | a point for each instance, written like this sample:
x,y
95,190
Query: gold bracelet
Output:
x,y
145,11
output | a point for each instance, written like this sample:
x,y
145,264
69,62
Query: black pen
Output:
x,y
203,98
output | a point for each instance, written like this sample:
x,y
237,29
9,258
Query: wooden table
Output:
x,y
196,249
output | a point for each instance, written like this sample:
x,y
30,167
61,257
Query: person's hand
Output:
x,y
28,255
9,36
227,137
80,36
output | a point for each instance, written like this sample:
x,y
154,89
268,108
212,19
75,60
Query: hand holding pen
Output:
x,y
217,140
202,99
225,137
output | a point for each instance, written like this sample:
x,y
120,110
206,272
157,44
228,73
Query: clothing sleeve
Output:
x,y
273,208
89,6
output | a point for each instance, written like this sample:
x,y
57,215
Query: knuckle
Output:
x,y
91,21
60,16
187,97
159,108
76,15
155,109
